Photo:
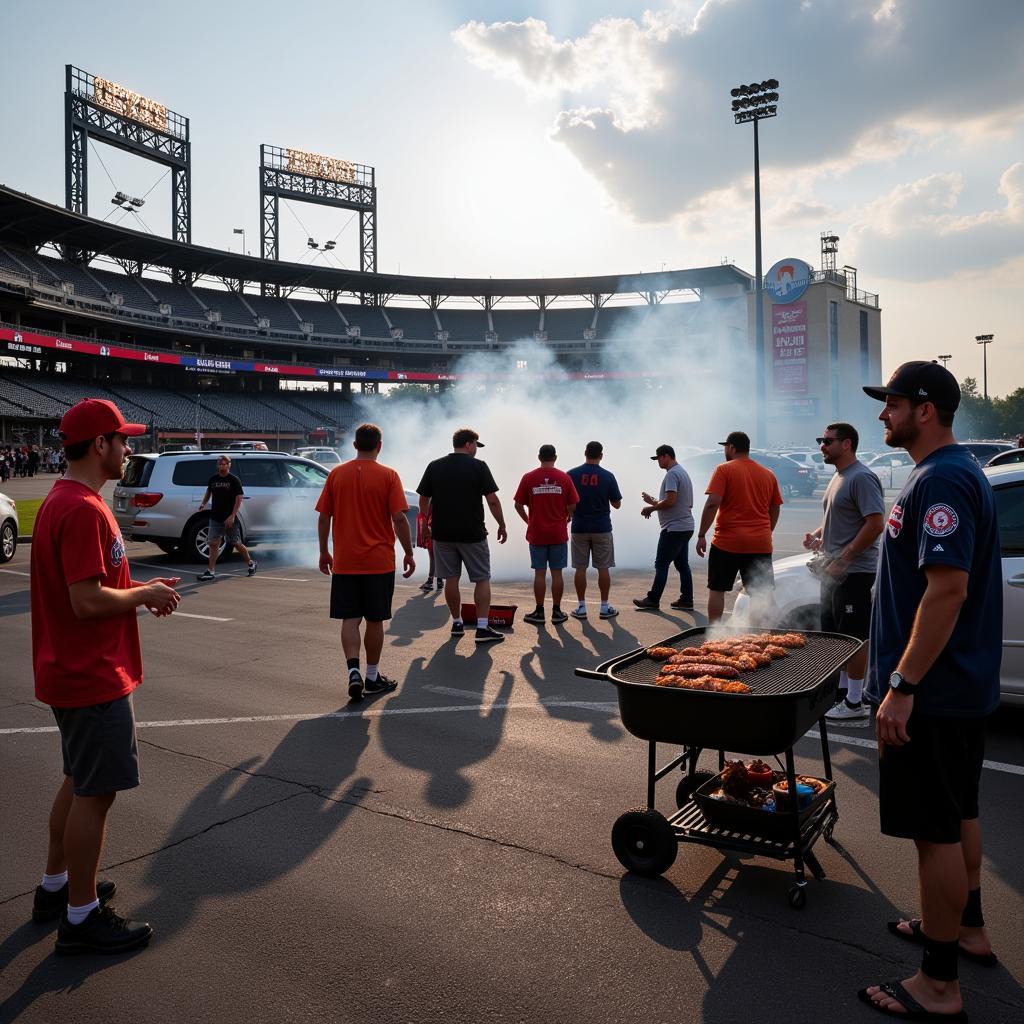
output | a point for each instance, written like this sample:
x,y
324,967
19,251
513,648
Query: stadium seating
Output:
x,y
464,324
567,324
232,306
278,312
182,303
367,318
324,316
514,325
415,323
135,294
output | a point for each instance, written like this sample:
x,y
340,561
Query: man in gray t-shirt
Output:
x,y
674,506
847,543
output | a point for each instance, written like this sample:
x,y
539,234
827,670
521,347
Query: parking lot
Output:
x,y
443,851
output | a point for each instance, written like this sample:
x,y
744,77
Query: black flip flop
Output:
x,y
916,936
913,1010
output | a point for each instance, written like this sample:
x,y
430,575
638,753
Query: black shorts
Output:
x,y
846,605
754,570
366,596
927,787
99,748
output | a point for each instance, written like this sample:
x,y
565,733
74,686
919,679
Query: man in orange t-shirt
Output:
x,y
366,503
745,498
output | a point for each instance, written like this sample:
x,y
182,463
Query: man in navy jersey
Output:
x,y
592,528
933,671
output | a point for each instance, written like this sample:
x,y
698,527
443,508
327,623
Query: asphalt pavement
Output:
x,y
442,853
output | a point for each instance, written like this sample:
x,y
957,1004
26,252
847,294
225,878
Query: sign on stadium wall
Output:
x,y
26,343
789,348
787,280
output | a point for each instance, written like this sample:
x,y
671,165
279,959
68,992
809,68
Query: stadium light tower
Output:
x,y
755,102
240,231
944,359
984,340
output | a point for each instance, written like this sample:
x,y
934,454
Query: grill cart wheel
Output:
x,y
644,842
689,784
797,897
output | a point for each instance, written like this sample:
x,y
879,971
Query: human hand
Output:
x,y
160,598
647,498
502,535
647,512
837,568
891,720
326,563
409,565
812,541
701,547
229,522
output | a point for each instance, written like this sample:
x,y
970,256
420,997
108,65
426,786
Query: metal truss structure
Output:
x,y
279,179
162,137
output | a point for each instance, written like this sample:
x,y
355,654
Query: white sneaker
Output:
x,y
856,715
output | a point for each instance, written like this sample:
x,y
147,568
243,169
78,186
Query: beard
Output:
x,y
901,437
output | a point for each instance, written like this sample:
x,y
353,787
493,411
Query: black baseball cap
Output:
x,y
922,381
739,440
663,449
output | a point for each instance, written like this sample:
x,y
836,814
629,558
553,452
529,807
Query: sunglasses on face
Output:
x,y
826,440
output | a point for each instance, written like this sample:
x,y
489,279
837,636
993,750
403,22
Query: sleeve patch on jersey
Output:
x,y
940,521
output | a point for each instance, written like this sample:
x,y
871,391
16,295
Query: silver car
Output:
x,y
797,592
158,499
8,528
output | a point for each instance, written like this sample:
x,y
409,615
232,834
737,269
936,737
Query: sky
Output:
x,y
555,139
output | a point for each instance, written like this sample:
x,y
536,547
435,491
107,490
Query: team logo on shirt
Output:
x,y
940,521
117,552
895,521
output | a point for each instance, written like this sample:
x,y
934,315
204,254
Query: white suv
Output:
x,y
797,592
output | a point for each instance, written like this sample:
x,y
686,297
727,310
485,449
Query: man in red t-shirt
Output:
x,y
365,502
545,500
87,661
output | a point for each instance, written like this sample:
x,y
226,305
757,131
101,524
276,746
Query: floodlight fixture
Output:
x,y
755,102
944,358
984,340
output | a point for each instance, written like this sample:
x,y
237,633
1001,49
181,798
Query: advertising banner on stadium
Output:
x,y
789,348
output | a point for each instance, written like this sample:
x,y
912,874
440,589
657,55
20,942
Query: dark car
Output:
x,y
983,451
793,478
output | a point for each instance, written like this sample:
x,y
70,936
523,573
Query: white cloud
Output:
x,y
646,105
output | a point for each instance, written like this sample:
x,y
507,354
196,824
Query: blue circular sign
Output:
x,y
787,280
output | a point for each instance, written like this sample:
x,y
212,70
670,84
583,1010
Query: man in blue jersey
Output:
x,y
936,643
592,528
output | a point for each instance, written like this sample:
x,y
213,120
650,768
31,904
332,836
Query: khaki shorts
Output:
x,y
595,549
451,556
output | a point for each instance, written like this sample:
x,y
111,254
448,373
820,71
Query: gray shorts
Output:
x,y
595,549
216,530
451,555
99,748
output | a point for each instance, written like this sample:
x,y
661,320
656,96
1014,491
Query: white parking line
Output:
x,y
354,713
209,618
160,571
856,741
14,572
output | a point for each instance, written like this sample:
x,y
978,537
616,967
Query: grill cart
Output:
x,y
789,696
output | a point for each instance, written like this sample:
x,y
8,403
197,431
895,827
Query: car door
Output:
x,y
265,507
1010,510
305,481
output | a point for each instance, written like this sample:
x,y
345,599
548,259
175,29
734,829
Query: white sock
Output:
x,y
481,624
604,606
371,673
51,883
854,690
457,622
76,915
844,680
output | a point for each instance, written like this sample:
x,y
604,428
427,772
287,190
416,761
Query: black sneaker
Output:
x,y
646,604
251,571
103,931
681,605
355,686
48,906
535,618
440,584
557,615
458,629
489,636
207,576
428,585
380,685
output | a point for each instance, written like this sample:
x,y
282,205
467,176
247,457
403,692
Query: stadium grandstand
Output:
x,y
194,341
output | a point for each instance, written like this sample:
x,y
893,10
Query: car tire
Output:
x,y
8,541
194,544
168,547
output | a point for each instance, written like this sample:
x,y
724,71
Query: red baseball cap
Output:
x,y
93,417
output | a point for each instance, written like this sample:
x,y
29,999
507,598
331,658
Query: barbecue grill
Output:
x,y
789,696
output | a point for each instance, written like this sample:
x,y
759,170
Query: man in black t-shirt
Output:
x,y
224,492
450,498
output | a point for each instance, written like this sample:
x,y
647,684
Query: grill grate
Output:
x,y
802,670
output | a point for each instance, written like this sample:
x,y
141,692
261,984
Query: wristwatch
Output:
x,y
900,685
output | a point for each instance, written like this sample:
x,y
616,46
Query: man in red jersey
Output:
x,y
551,498
87,661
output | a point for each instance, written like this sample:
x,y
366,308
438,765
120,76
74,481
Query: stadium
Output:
x,y
207,345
